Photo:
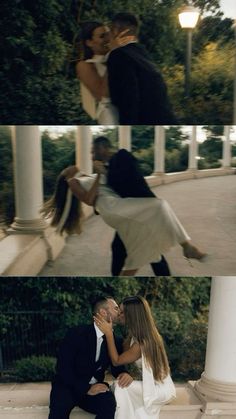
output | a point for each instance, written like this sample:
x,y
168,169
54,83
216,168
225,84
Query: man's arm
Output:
x,y
123,86
125,177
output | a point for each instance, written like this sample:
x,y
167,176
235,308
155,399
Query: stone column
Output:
x,y
218,381
27,159
159,150
193,150
226,163
83,149
125,137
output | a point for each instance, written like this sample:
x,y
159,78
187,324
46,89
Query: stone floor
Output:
x,y
207,209
30,401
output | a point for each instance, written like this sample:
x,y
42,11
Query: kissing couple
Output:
x,y
88,350
145,225
119,83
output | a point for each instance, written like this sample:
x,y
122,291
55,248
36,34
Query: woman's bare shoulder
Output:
x,y
83,68
82,64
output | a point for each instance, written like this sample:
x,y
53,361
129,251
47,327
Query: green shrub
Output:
x,y
193,346
35,368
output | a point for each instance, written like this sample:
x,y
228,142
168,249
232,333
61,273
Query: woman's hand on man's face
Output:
x,y
99,167
103,325
70,171
121,39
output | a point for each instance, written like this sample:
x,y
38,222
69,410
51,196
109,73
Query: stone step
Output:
x,y
30,401
38,412
22,254
42,413
26,254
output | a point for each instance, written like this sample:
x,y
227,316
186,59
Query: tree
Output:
x,y
36,88
213,29
211,87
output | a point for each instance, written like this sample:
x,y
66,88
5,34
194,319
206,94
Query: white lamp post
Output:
x,y
188,19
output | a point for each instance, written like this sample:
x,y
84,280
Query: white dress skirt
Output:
x,y
143,399
147,226
103,111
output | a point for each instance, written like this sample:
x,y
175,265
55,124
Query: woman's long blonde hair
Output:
x,y
140,324
54,207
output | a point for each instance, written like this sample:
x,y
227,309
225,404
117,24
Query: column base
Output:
x,y
192,169
216,390
156,173
27,226
26,254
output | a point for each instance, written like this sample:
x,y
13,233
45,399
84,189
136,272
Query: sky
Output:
x,y
228,7
59,129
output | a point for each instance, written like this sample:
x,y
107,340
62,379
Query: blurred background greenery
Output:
x,y
41,48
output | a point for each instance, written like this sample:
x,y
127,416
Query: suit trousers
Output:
x,y
118,259
62,401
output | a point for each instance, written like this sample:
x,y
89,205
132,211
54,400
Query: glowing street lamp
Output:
x,y
188,19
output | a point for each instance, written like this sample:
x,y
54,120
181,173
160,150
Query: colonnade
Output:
x,y
28,176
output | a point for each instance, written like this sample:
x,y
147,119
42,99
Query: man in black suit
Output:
x,y
81,365
125,178
137,89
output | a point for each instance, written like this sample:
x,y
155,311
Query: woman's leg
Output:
x,y
176,228
128,399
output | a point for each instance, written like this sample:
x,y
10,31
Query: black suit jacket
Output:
x,y
137,88
76,360
125,177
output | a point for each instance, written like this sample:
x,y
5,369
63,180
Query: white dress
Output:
x,y
143,399
104,112
147,226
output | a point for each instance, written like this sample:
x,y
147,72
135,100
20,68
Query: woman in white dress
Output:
x,y
143,398
92,72
147,226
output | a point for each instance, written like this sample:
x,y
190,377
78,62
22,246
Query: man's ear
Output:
x,y
102,311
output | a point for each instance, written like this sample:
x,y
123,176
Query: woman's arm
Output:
x,y
87,73
88,197
127,357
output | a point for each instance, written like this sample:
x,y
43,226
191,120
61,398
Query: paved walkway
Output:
x,y
207,209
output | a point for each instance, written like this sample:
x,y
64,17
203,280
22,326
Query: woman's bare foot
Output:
x,y
192,252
